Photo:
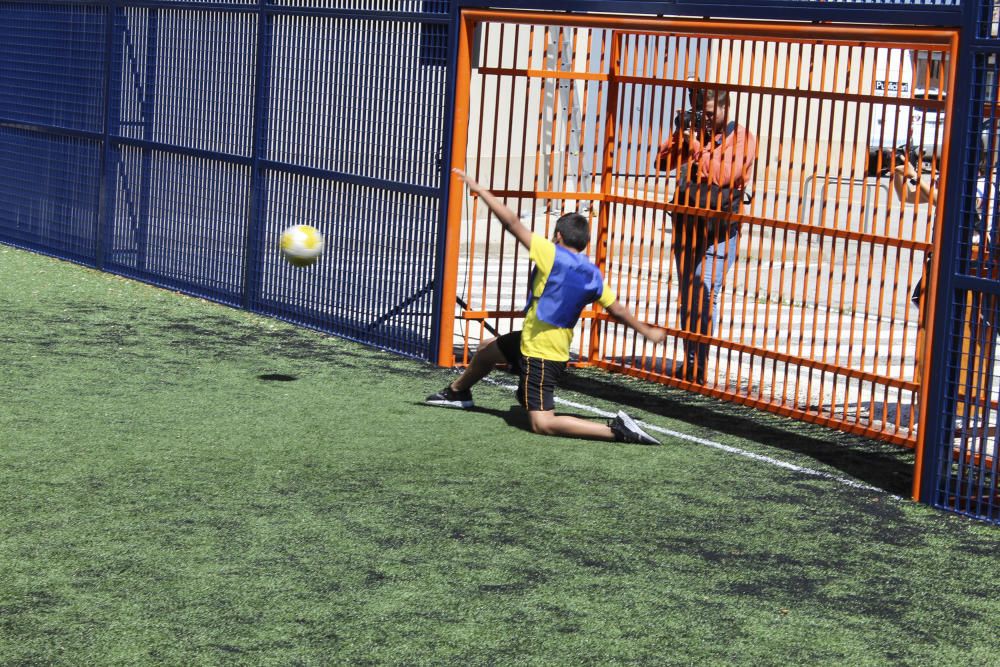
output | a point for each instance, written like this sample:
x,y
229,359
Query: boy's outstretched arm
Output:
x,y
507,217
625,316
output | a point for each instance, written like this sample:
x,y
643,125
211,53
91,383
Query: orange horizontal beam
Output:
x,y
914,45
490,314
974,459
798,227
804,362
923,103
763,353
547,194
826,232
543,74
793,412
806,32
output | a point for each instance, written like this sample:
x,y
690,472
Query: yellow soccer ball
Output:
x,y
301,245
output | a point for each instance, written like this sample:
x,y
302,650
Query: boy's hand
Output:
x,y
471,182
655,335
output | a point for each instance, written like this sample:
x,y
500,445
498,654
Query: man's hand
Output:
x,y
906,169
692,139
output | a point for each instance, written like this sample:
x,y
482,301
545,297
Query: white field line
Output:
x,y
716,445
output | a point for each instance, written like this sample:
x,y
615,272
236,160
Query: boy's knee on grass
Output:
x,y
542,422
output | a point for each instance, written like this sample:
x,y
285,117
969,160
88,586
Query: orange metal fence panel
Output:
x,y
813,316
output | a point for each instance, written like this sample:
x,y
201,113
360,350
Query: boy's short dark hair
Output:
x,y
575,230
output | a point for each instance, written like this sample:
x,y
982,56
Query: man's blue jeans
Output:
x,y
701,273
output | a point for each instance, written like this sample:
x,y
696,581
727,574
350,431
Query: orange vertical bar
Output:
x,y
580,172
632,63
539,133
883,278
647,145
839,178
799,283
516,275
646,218
508,151
803,353
742,48
788,198
460,138
489,260
607,169
554,122
769,157
613,229
757,76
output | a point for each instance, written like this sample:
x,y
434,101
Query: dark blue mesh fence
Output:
x,y
179,155
351,142
52,65
375,282
50,193
344,102
52,74
186,79
180,221
963,470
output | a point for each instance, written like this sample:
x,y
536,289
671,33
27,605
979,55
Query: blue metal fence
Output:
x,y
960,469
171,140
52,63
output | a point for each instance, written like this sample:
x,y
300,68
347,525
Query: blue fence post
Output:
x,y
440,309
106,171
257,213
148,127
112,128
938,397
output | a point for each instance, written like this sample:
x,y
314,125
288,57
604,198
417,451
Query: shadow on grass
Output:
x,y
277,377
883,465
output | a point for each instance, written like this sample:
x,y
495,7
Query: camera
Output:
x,y
901,156
693,118
690,119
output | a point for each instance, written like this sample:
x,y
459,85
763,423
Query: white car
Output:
x,y
926,126
925,137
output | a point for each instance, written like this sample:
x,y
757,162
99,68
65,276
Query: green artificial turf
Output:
x,y
184,483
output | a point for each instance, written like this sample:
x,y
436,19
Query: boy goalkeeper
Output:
x,y
564,282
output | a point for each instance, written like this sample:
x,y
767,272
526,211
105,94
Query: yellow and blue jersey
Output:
x,y
540,339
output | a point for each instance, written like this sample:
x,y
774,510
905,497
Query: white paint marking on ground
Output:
x,y
716,445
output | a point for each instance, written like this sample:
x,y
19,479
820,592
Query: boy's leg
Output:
x,y
547,422
621,429
535,393
486,358
490,354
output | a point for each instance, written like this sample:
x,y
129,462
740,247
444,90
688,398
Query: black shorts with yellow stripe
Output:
x,y
539,377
